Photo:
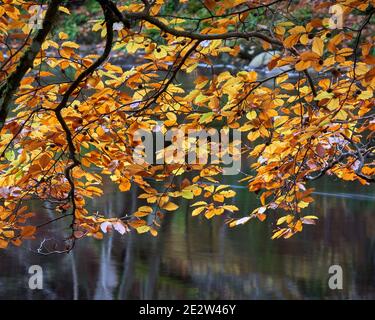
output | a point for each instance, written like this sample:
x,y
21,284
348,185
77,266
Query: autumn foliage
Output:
x,y
68,117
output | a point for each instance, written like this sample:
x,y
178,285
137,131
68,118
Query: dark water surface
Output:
x,y
193,258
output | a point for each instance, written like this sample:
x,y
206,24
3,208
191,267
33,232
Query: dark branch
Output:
x,y
8,88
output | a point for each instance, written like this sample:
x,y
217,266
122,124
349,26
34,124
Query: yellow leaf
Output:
x,y
252,136
342,115
302,65
281,220
333,104
70,44
3,244
143,229
63,36
143,211
218,197
153,232
288,218
279,30
187,194
221,187
324,95
199,203
317,46
228,193
63,9
251,115
310,217
170,206
365,95
303,204
28,231
133,46
291,40
304,39
160,52
209,214
172,118
298,226
206,117
230,208
125,184
97,26
8,234
279,233
287,86
282,78
197,211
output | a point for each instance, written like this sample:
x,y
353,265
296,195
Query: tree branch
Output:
x,y
126,18
8,88
65,99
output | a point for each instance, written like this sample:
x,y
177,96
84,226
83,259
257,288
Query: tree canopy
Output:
x,y
68,117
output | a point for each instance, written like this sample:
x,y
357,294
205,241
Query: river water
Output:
x,y
195,258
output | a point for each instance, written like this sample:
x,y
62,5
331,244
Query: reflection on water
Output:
x,y
193,258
